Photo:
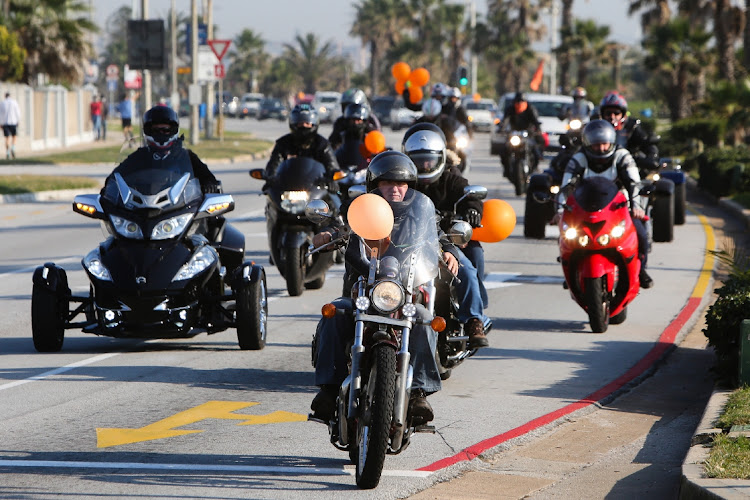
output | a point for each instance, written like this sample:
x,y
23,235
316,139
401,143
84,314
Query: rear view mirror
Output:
x,y
317,211
460,233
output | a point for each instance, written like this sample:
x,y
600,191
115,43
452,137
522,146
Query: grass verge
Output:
x,y
729,458
26,183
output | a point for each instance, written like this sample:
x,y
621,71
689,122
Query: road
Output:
x,y
65,416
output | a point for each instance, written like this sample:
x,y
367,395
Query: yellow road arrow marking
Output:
x,y
212,409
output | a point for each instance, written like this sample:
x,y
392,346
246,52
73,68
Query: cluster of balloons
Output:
x,y
498,221
414,80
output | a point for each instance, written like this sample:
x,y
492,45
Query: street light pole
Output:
x,y
473,24
553,44
194,88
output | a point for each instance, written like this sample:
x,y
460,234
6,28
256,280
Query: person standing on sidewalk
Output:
x,y
96,116
126,115
10,115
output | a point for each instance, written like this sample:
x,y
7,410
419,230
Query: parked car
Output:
x,y
328,105
481,113
250,105
548,106
229,104
401,116
272,108
381,106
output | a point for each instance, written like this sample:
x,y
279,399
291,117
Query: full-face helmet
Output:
x,y
303,121
161,128
391,166
426,148
352,96
596,133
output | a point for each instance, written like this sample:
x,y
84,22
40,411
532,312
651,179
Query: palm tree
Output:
x,y
55,35
657,12
564,50
248,59
728,23
310,59
591,45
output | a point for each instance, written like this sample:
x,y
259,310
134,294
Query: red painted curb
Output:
x,y
666,340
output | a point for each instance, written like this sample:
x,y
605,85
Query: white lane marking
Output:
x,y
32,268
499,280
57,371
300,471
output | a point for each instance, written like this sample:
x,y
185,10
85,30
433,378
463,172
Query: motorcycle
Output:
x,y
463,148
452,344
521,160
537,216
599,251
297,181
171,267
371,418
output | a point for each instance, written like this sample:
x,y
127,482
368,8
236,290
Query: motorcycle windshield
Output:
x,y
162,184
415,234
299,174
594,193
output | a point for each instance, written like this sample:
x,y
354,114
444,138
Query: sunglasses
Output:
x,y
612,112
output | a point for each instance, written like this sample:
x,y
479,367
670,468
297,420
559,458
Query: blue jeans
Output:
x,y
469,295
333,335
475,253
97,120
640,230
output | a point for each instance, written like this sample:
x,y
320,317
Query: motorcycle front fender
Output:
x,y
596,265
294,239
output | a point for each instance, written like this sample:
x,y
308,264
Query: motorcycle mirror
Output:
x,y
258,173
460,233
356,190
541,196
475,192
317,211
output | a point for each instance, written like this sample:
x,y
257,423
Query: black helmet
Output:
x,y
426,148
519,97
357,111
156,138
303,114
352,96
598,132
391,166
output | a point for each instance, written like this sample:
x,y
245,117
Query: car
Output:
x,y
328,105
229,104
548,106
381,106
272,108
401,116
250,105
481,113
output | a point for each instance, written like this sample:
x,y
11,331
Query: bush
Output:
x,y
690,135
722,171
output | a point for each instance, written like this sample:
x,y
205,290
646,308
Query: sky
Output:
x,y
279,21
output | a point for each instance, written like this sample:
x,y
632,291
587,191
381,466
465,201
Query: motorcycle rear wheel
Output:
x,y
252,314
663,215
597,305
375,416
680,195
534,220
48,308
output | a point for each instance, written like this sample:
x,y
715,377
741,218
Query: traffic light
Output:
x,y
463,76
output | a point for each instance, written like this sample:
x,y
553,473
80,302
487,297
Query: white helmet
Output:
x,y
425,145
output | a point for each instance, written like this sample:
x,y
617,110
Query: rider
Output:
x,y
600,156
161,131
579,109
392,175
424,143
351,96
303,140
452,106
432,113
630,134
522,115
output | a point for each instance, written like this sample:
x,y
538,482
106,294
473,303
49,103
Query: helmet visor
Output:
x,y
426,162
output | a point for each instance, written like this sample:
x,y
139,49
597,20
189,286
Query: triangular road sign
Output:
x,y
219,47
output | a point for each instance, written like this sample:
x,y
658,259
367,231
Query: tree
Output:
x,y
310,59
728,23
248,59
592,47
564,50
657,12
11,57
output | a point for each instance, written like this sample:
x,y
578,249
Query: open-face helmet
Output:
x,y
614,109
391,166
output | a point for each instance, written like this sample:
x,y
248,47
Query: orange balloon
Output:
x,y
498,221
370,217
415,94
375,141
476,97
400,85
400,71
419,77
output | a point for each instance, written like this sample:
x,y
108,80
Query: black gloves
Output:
x,y
212,187
473,217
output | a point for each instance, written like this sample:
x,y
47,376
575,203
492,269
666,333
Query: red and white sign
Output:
x,y
219,71
219,47
113,72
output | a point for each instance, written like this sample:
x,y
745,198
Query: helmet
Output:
x,y
426,148
422,126
357,111
391,166
519,97
455,92
598,132
302,114
352,96
578,93
160,138
431,107
616,101
439,90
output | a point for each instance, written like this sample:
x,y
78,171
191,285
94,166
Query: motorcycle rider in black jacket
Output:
x,y
340,126
522,115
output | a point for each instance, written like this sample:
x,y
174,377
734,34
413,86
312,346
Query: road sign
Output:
x,y
206,62
184,70
219,47
113,72
219,71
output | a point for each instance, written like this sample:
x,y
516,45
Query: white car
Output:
x,y
548,107
401,116
250,105
481,113
328,106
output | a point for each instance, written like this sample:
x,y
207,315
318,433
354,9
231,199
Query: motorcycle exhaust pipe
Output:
x,y
343,422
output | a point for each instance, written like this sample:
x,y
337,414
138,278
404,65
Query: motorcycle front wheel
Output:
x,y
375,416
252,313
294,272
519,177
597,304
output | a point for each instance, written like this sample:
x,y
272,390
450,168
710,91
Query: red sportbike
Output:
x,y
599,251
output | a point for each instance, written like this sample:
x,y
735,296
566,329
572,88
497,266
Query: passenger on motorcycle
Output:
x,y
393,176
432,113
161,131
600,156
424,143
303,140
452,106
630,134
522,115
351,96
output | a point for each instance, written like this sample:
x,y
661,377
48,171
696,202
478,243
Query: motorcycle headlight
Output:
x,y
294,201
93,263
603,240
618,230
515,140
554,189
583,240
574,124
199,262
126,228
570,233
462,142
172,227
387,296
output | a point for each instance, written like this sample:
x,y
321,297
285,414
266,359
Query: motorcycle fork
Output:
x,y
404,375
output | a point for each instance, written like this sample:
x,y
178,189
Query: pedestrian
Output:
x,y
126,115
105,116
10,114
96,116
